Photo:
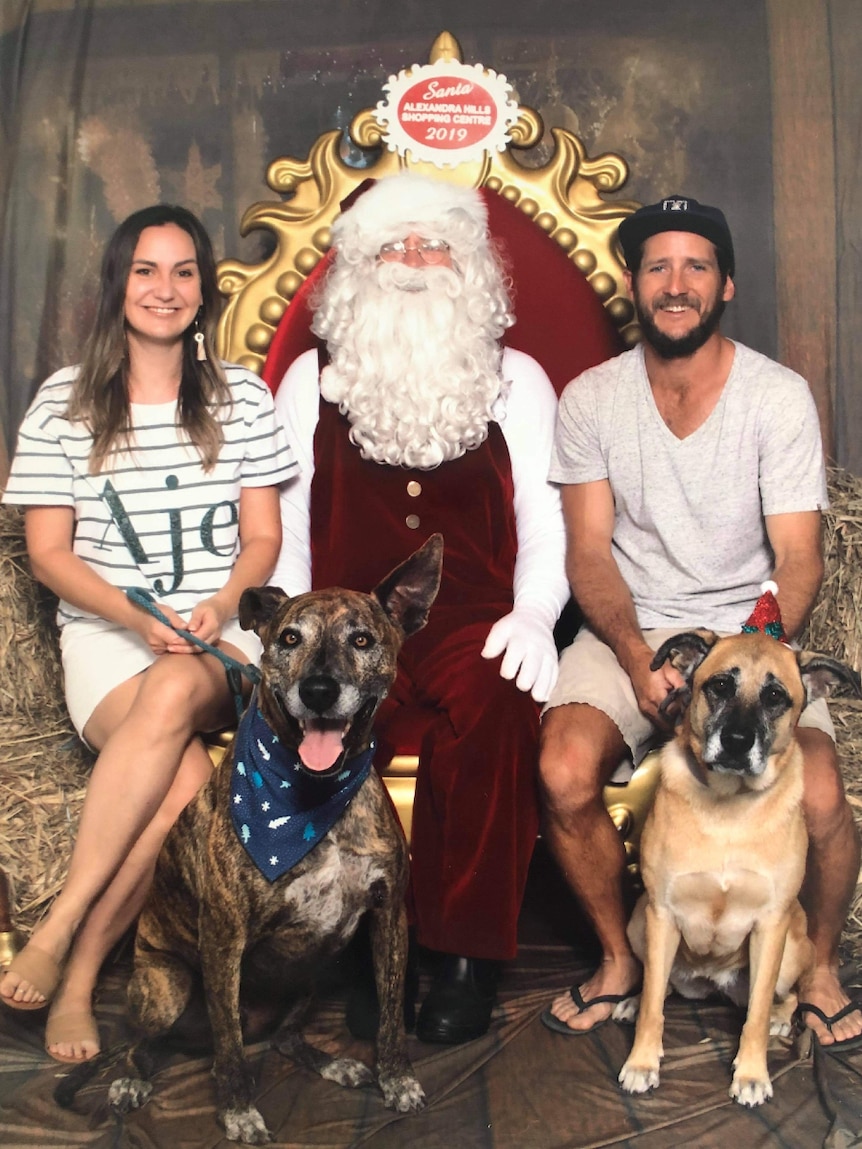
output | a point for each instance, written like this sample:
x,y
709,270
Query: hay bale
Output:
x,y
43,779
43,764
835,626
30,673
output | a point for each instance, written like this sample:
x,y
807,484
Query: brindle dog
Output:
x,y
329,659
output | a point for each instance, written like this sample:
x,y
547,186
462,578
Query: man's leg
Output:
x,y
830,880
580,749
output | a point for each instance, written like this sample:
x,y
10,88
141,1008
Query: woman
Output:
x,y
153,466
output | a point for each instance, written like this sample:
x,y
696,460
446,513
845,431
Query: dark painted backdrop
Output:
x,y
106,106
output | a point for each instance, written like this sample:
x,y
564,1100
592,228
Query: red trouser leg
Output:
x,y
475,816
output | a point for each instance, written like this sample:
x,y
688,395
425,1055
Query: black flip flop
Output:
x,y
836,1046
554,1023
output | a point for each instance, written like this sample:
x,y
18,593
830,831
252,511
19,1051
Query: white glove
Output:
x,y
529,648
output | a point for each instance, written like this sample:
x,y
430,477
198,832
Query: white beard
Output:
x,y
414,361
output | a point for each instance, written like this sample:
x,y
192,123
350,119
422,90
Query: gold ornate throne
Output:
x,y
562,198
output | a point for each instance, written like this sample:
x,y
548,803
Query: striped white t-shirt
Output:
x,y
153,518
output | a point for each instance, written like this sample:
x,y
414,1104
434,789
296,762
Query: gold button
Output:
x,y
414,488
412,522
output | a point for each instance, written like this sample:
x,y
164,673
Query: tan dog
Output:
x,y
724,848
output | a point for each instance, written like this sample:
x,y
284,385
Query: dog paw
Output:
x,y
403,1093
627,1011
750,1091
348,1072
128,1093
638,1078
780,1027
245,1125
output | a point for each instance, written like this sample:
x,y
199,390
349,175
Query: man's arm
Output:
x,y
525,636
604,597
796,545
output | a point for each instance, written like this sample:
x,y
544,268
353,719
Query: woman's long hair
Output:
x,y
100,394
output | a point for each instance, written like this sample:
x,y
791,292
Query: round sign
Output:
x,y
447,112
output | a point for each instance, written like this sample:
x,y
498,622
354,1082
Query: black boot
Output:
x,y
459,1004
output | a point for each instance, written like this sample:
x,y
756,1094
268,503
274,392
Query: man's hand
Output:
x,y
651,687
530,652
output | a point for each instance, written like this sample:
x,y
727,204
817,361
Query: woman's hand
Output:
x,y
207,620
159,637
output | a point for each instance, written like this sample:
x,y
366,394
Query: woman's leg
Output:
x,y
144,728
71,1017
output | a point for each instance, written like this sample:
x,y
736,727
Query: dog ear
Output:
x,y
821,673
685,652
406,594
257,605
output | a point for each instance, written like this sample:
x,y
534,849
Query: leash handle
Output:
x,y
234,670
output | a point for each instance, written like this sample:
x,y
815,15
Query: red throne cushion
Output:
x,y
560,320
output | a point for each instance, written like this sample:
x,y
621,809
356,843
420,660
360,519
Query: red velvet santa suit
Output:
x,y
475,816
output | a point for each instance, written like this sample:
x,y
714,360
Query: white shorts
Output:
x,y
99,655
590,674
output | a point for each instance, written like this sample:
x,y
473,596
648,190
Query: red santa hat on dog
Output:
x,y
766,616
392,208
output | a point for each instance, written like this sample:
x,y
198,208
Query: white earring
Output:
x,y
202,351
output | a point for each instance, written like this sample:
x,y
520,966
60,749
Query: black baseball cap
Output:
x,y
676,213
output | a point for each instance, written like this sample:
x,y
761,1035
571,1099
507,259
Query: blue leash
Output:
x,y
233,669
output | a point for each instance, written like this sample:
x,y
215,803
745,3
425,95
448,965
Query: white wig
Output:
x,y
414,352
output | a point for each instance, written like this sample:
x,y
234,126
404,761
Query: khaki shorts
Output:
x,y
590,674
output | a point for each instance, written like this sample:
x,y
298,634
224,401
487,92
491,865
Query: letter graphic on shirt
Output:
x,y
124,524
130,536
207,524
176,528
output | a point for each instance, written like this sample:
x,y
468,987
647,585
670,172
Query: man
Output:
x,y
691,471
419,421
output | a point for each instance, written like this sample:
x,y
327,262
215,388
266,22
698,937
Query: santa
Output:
x,y
416,419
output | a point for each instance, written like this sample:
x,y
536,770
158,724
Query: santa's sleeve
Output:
x,y
297,404
528,428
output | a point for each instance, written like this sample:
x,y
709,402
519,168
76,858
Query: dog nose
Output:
x,y
737,740
318,692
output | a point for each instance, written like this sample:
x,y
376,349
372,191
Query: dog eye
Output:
x,y
290,637
722,686
773,697
362,640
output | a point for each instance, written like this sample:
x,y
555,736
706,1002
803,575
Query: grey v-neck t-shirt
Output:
x,y
689,534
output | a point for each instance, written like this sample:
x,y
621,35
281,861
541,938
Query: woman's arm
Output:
x,y
260,540
49,532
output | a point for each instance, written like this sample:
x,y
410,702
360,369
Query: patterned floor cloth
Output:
x,y
520,1087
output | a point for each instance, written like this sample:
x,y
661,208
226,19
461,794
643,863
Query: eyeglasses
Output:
x,y
428,250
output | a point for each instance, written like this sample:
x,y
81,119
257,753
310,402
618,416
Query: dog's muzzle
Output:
x,y
735,749
324,739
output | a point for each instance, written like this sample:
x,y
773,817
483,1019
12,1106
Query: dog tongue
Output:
x,y
321,746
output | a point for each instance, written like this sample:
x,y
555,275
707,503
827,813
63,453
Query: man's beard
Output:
x,y
682,346
414,361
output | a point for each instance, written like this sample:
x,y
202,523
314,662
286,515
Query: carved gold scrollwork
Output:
x,y
563,198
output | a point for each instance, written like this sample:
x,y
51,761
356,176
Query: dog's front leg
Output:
x,y
395,1076
640,1073
222,942
751,1084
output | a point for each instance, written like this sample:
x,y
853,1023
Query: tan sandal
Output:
x,y
72,1028
36,966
